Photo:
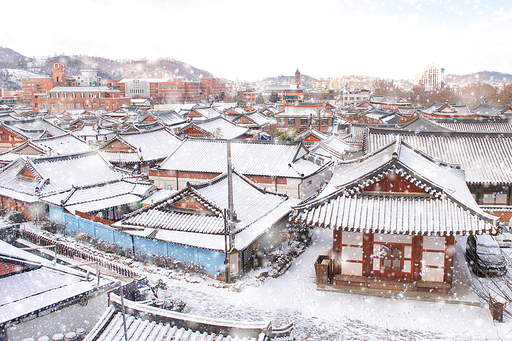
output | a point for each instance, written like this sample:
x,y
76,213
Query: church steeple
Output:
x,y
297,78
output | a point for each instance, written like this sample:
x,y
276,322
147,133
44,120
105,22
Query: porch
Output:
x,y
399,288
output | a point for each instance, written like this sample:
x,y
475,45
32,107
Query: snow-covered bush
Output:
x,y
16,217
53,227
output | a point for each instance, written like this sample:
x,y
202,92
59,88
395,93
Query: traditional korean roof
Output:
x,y
483,156
447,110
248,157
29,179
93,130
422,123
52,146
144,330
386,100
195,215
312,132
439,201
335,147
223,107
489,110
217,127
477,125
168,118
42,288
258,120
97,197
146,146
34,128
63,144
407,110
203,113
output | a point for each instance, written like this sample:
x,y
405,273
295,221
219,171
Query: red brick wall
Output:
x,y
394,183
8,268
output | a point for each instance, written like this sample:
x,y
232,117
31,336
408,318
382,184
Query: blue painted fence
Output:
x,y
211,261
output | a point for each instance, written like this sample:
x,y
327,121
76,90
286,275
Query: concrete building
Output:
x,y
433,78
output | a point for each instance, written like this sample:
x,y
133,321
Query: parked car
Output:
x,y
505,238
484,256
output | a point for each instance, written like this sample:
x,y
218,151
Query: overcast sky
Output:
x,y
251,40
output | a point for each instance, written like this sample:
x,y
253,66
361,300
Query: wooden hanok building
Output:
x,y
394,215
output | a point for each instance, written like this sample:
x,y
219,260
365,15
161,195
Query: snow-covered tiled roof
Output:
x,y
153,145
484,157
97,197
43,287
476,125
34,128
63,144
57,174
490,110
141,329
221,127
255,209
168,118
446,208
248,157
206,113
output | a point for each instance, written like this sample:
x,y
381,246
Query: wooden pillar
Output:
x,y
417,253
449,251
336,250
367,253
479,196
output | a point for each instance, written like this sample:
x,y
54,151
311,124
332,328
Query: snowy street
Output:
x,y
321,315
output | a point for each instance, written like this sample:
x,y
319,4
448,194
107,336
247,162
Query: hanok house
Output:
x,y
445,110
217,128
394,216
484,157
140,150
52,146
10,138
75,179
192,224
279,166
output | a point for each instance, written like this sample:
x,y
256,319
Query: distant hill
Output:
x,y
482,77
10,57
107,68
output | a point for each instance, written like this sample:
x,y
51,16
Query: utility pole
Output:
x,y
231,215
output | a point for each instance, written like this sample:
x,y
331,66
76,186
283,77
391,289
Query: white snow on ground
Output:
x,y
325,315
320,315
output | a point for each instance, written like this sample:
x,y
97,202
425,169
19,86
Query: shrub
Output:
x,y
53,227
16,217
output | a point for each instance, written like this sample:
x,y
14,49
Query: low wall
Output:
x,y
211,262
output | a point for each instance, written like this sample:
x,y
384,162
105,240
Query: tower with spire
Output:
x,y
297,78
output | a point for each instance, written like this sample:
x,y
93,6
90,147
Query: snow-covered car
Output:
x,y
484,256
504,239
